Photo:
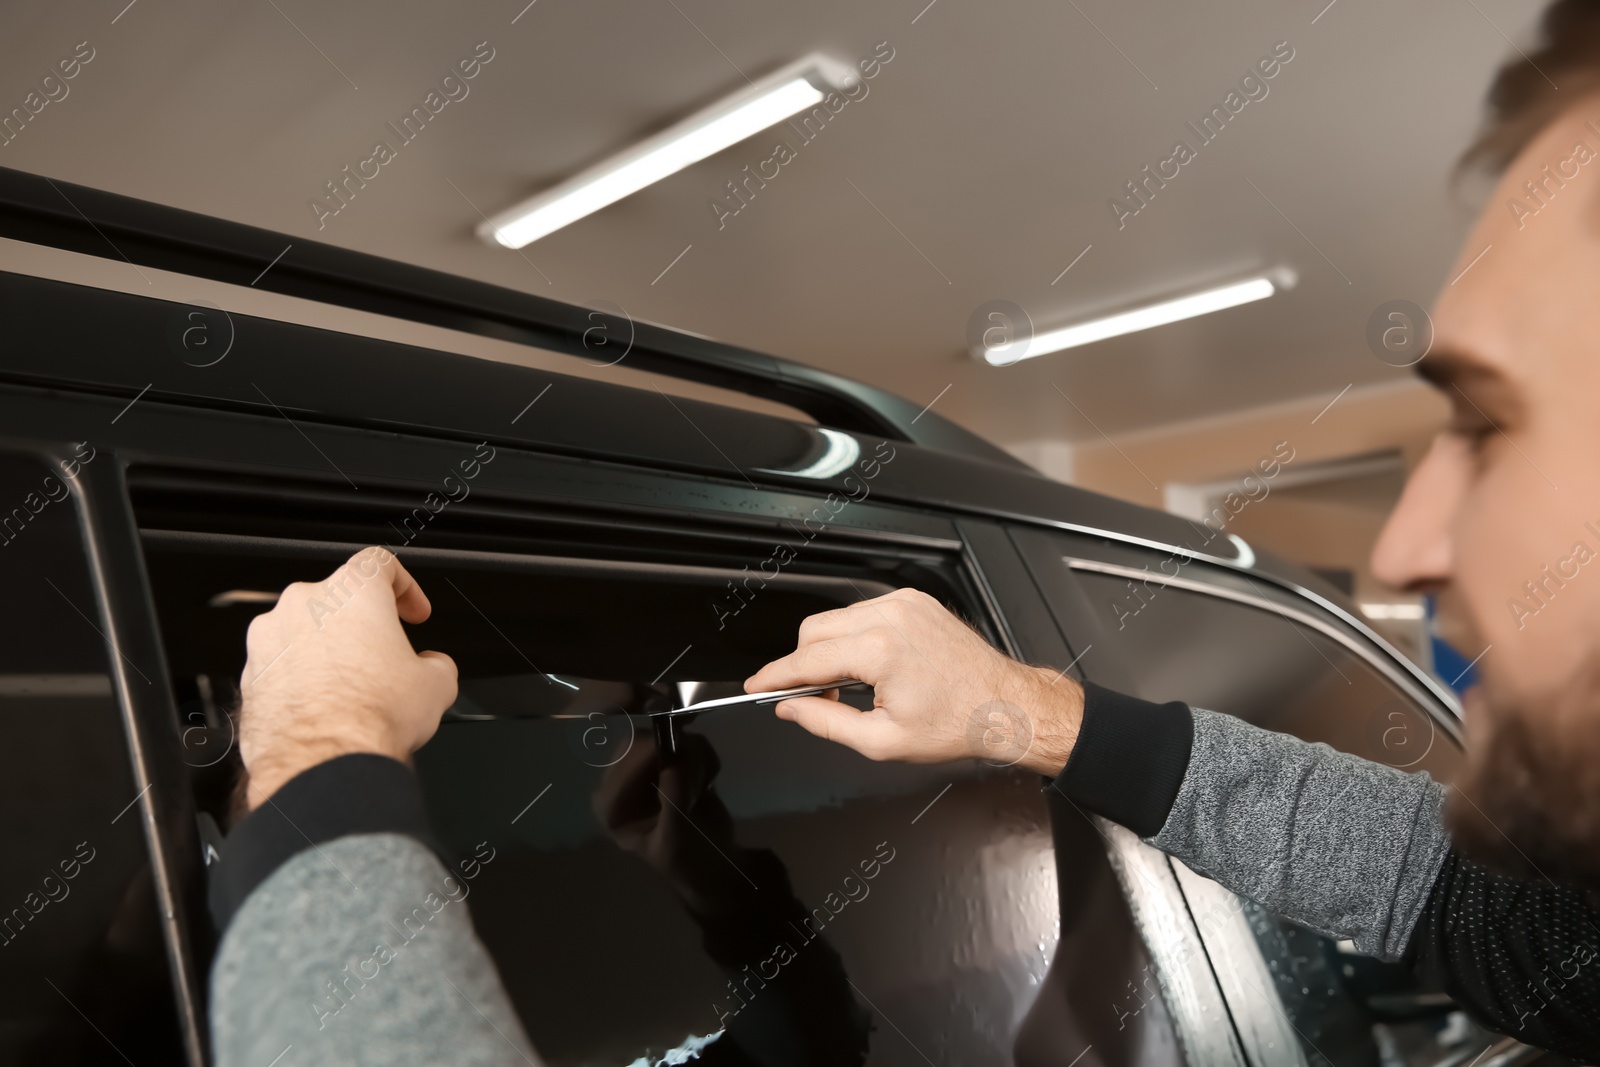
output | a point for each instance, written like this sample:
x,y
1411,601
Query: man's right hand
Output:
x,y
330,672
941,693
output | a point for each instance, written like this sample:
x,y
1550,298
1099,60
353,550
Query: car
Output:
x,y
596,551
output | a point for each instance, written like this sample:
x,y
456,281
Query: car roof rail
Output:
x,y
41,211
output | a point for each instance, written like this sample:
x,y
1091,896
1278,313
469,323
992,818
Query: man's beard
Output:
x,y
1527,802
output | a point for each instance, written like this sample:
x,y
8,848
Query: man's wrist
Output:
x,y
1055,707
270,771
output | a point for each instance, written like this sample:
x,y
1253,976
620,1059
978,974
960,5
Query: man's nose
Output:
x,y
1414,551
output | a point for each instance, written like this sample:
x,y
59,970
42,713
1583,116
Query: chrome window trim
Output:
x,y
1247,568
1270,1038
1189,986
1432,696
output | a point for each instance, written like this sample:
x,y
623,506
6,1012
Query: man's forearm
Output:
x,y
1328,840
346,937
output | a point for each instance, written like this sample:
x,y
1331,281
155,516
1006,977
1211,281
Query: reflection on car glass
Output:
x,y
518,696
690,1050
624,926
787,998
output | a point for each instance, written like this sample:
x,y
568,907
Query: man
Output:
x,y
1490,885
334,706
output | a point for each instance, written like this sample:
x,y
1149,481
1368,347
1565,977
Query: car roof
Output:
x,y
123,348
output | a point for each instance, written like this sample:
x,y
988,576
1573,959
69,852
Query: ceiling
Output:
x,y
978,166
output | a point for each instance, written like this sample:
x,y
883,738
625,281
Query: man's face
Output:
x,y
1502,519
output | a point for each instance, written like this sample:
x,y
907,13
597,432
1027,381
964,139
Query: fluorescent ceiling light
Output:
x,y
767,102
1186,307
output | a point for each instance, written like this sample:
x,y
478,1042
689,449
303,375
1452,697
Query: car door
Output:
x,y
737,888
895,914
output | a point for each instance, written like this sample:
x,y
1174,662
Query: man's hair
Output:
x,y
1523,100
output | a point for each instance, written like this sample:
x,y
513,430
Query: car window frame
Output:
x,y
1194,999
144,698
223,442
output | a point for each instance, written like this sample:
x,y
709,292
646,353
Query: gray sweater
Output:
x,y
1334,842
360,951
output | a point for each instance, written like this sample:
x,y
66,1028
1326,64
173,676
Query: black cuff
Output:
x,y
357,794
1130,758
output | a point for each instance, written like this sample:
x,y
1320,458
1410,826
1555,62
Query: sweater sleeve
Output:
x,y
346,939
356,794
1331,841
1345,846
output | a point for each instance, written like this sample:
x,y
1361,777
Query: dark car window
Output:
x,y
752,893
1263,665
83,969
766,897
812,906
